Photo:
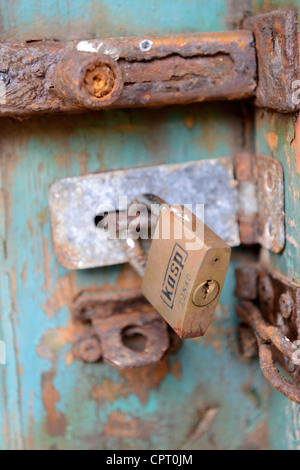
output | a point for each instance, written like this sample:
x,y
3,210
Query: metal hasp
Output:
x,y
50,76
270,312
248,210
122,329
75,202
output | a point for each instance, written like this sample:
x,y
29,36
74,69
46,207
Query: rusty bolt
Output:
x,y
88,349
88,79
286,305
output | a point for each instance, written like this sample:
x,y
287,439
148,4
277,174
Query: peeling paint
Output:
x,y
126,427
272,140
295,144
55,422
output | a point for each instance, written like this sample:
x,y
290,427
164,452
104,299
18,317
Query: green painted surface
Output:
x,y
25,19
275,134
36,294
275,137
47,399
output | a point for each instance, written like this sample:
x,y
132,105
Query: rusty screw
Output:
x,y
88,79
88,349
286,305
99,80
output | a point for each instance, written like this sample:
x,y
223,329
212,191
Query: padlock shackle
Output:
x,y
136,254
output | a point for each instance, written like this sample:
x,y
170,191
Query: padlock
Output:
x,y
183,275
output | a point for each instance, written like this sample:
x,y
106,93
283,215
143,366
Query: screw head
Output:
x,y
89,349
206,293
99,80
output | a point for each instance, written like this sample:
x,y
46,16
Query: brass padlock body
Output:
x,y
183,284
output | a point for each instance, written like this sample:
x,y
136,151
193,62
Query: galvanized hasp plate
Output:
x,y
74,203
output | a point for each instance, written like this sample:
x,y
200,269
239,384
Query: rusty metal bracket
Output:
x,y
125,72
50,76
124,330
270,312
261,212
277,47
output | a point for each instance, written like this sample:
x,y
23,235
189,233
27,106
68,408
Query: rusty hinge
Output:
x,y
50,76
261,196
122,329
270,312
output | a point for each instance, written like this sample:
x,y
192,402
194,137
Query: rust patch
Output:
x,y
108,391
272,141
126,427
141,381
189,122
47,260
295,144
63,294
70,358
6,429
31,422
53,341
24,275
56,422
176,370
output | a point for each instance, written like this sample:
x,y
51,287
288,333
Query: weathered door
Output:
x,y
50,400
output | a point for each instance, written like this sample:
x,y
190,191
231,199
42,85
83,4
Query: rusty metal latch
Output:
x,y
50,76
270,312
122,329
